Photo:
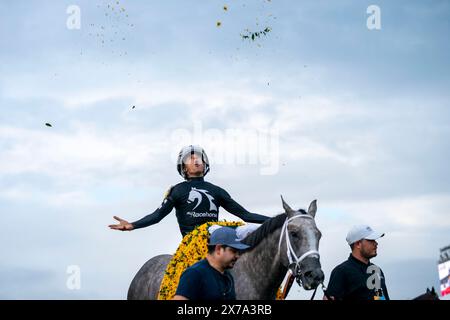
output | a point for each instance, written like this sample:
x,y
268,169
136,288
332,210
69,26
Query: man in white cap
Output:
x,y
358,278
210,278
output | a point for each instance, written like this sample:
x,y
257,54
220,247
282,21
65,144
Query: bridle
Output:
x,y
294,261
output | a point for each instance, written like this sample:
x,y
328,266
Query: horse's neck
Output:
x,y
263,267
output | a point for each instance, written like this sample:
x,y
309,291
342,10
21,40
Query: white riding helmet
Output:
x,y
188,150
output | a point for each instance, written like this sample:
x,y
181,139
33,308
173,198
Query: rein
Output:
x,y
324,289
290,281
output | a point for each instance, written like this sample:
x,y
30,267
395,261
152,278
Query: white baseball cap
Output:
x,y
360,232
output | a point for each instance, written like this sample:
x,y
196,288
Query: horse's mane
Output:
x,y
269,226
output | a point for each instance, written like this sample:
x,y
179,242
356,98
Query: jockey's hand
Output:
x,y
122,226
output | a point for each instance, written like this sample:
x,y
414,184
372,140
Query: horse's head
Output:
x,y
428,295
300,240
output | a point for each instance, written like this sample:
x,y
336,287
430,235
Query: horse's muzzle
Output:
x,y
312,279
316,276
313,274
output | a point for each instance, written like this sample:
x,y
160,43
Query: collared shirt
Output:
x,y
202,282
349,281
196,202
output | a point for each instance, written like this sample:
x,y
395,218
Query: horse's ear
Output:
x,y
428,290
286,206
313,208
432,290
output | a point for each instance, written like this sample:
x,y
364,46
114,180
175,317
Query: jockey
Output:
x,y
196,201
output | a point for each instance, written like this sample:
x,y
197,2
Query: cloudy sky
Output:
x,y
322,107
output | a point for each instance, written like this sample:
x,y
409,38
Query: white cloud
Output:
x,y
69,155
418,213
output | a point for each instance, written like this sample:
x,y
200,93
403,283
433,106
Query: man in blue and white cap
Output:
x,y
210,278
358,278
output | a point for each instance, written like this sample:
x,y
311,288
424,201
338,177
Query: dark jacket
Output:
x,y
196,202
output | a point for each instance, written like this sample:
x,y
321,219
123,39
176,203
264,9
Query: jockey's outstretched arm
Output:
x,y
164,209
235,208
155,217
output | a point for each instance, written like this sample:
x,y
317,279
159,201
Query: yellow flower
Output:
x,y
192,249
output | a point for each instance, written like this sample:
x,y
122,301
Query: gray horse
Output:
x,y
287,241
